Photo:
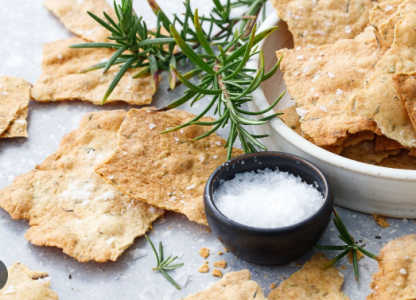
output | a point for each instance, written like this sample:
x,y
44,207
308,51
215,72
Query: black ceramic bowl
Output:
x,y
266,246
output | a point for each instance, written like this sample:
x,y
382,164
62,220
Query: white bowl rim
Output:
x,y
288,134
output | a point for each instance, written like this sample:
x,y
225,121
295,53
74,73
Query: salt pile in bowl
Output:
x,y
267,199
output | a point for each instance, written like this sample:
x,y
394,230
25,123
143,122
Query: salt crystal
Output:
x,y
402,271
301,112
190,187
151,126
323,108
340,274
176,139
215,157
59,56
110,241
347,29
5,93
330,75
267,199
138,253
9,290
320,32
388,7
339,92
299,57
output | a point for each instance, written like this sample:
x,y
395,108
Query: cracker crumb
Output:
x,y
226,250
204,269
359,256
220,253
220,264
343,267
381,221
204,252
273,286
217,273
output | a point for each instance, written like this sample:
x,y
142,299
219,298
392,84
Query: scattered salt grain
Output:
x,y
110,241
339,92
59,56
402,271
301,112
323,108
267,199
388,7
215,157
151,126
299,57
330,75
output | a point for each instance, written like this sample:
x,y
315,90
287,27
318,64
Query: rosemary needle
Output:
x,y
349,247
164,265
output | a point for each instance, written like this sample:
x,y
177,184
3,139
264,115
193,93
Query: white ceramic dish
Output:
x,y
357,186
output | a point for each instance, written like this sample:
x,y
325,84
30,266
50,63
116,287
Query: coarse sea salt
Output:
x,y
267,199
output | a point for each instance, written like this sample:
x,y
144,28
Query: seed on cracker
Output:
x,y
204,269
154,168
233,286
204,252
22,283
69,206
220,264
216,273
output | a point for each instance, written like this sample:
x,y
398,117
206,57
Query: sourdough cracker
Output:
x,y
166,170
61,80
315,23
73,14
233,286
322,80
14,106
379,100
312,282
365,152
69,206
23,284
291,118
397,271
401,161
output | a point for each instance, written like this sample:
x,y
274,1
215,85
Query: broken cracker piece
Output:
x,y
273,286
397,271
222,264
216,273
69,206
23,283
73,14
312,282
204,269
366,152
234,285
204,252
379,100
314,23
14,106
360,255
61,79
220,253
167,170
381,221
323,80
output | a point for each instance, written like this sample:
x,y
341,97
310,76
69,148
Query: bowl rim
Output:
x,y
261,103
208,194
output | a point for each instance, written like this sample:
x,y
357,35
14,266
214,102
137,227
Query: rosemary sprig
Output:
x,y
154,51
350,247
164,265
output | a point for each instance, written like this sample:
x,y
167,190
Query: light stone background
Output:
x,y
25,26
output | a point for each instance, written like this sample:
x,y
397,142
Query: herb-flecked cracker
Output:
x,y
406,87
397,271
379,100
14,106
69,206
61,80
24,284
233,286
312,283
166,170
315,23
73,14
322,81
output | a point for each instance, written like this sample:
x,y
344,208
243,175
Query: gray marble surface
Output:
x,y
25,26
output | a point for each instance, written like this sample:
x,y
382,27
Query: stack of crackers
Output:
x,y
354,85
